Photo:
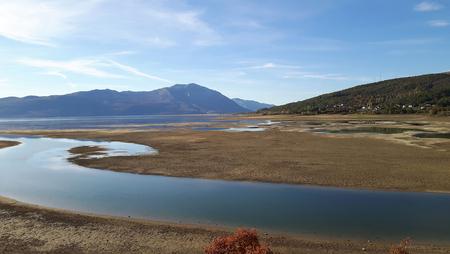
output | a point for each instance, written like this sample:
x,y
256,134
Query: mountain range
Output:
x,y
177,99
420,94
252,105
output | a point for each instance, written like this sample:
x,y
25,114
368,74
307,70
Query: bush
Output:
x,y
242,242
402,248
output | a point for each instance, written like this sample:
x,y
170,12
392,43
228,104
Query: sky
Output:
x,y
272,51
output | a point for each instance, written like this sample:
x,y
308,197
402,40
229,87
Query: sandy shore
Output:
x,y
32,229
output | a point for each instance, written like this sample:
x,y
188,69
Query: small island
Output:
x,y
4,144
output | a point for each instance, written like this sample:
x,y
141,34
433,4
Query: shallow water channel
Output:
x,y
37,171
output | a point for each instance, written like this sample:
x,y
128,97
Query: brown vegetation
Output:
x,y
402,248
244,241
83,152
86,150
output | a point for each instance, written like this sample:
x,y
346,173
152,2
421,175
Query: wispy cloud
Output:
x,y
159,24
39,22
54,73
170,27
427,6
271,65
122,53
309,75
159,42
323,76
136,72
406,42
95,67
89,67
287,71
438,23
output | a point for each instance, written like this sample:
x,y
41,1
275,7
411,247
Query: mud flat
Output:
x,y
284,154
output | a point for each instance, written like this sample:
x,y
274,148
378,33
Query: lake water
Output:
x,y
433,135
37,171
109,122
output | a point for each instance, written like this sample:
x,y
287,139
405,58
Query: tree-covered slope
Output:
x,y
420,94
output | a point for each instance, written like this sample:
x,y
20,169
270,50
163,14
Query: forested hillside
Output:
x,y
420,94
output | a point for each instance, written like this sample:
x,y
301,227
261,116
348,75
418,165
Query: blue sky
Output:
x,y
271,51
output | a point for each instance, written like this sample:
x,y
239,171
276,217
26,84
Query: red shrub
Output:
x,y
242,242
401,248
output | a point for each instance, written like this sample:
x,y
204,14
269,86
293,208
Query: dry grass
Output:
x,y
83,152
278,156
87,149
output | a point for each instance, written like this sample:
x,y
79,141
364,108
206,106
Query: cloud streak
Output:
x,y
309,75
136,72
438,23
405,42
49,22
88,67
54,73
122,53
271,65
323,76
427,6
40,22
94,67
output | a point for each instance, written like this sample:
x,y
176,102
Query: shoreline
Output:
x,y
82,151
353,162
188,238
28,228
10,201
210,227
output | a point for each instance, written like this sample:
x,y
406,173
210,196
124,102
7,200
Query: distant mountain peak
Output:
x,y
251,104
188,86
178,99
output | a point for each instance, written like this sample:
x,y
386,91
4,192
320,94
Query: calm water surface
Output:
x,y
433,135
37,172
107,122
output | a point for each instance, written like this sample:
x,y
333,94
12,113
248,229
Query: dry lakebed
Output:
x,y
370,154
